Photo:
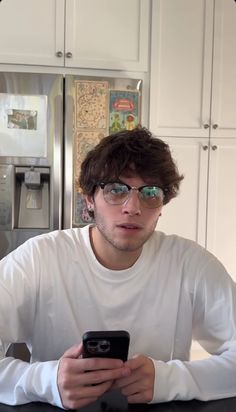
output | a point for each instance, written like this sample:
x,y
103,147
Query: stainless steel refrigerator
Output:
x,y
48,122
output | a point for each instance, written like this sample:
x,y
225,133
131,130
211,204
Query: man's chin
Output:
x,y
128,246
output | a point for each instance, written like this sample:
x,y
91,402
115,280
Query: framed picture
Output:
x,y
123,110
23,125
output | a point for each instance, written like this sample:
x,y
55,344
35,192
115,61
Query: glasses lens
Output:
x,y
115,193
152,196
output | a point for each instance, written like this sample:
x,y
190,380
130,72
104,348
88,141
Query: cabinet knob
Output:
x,y
205,147
215,126
69,55
59,54
214,147
206,126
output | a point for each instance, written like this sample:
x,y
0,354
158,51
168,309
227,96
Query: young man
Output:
x,y
119,273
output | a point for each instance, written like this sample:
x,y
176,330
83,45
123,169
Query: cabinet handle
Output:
x,y
69,55
205,147
59,54
206,126
215,126
214,147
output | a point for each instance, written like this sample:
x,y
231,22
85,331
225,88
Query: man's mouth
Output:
x,y
130,226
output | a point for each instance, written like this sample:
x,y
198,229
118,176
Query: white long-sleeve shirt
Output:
x,y
53,289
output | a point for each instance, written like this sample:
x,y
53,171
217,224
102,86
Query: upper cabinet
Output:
x,y
107,34
223,109
193,65
31,32
100,34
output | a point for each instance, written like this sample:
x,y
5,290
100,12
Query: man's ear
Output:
x,y
90,203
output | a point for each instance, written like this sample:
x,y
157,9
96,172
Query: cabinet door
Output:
x,y
107,34
31,32
186,214
223,118
181,61
221,221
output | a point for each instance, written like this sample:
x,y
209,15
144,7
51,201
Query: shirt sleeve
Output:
x,y
214,327
22,382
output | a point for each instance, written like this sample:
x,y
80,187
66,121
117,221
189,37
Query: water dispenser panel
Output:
x,y
6,197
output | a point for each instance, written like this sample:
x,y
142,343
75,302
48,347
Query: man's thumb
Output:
x,y
73,352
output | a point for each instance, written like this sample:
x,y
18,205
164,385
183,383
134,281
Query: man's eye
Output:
x,y
117,190
150,192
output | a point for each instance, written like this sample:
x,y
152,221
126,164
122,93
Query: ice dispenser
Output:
x,y
6,197
32,197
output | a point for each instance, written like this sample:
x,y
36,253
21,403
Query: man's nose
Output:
x,y
132,204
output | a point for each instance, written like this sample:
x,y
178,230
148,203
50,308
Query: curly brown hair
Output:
x,y
131,153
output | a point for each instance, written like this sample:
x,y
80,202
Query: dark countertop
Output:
x,y
222,405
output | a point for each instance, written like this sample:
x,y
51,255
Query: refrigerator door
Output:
x,y
31,136
95,107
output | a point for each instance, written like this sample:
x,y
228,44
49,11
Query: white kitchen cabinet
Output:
x,y
223,118
31,32
221,216
193,66
107,34
100,34
204,211
185,215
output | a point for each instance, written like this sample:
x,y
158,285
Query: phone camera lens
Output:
x,y
104,348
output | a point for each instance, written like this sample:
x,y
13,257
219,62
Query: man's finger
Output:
x,y
73,352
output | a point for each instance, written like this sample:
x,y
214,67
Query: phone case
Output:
x,y
106,344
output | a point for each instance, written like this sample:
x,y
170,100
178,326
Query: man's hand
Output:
x,y
139,385
82,381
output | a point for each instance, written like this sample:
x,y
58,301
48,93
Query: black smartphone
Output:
x,y
106,344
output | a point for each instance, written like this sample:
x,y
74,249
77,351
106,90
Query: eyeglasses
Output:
x,y
117,193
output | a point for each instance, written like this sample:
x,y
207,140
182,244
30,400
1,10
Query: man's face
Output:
x,y
125,227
